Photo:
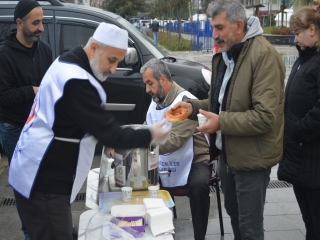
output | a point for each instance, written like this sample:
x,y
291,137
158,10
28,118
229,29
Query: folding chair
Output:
x,y
214,181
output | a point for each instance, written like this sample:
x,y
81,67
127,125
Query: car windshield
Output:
x,y
155,51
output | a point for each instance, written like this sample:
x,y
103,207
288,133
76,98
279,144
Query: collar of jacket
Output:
x,y
234,51
304,55
173,92
78,56
11,40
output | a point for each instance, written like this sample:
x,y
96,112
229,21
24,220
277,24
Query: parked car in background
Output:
x,y
69,25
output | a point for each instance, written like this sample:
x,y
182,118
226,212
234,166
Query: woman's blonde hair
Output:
x,y
306,16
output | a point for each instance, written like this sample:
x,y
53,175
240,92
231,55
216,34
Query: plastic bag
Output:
x,y
100,227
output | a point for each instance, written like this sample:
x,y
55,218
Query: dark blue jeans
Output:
x,y
155,37
9,136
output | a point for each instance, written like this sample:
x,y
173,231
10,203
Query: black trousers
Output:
x,y
198,193
46,216
309,203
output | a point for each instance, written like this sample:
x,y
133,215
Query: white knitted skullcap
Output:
x,y
111,35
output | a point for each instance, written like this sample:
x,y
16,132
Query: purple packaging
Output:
x,y
138,230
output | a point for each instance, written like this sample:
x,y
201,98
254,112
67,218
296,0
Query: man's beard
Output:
x,y
159,96
30,36
227,44
94,64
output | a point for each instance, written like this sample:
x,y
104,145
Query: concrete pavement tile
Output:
x,y
77,206
283,208
219,237
10,227
290,208
214,226
5,173
183,227
280,195
4,182
184,212
3,164
272,209
283,222
6,192
284,235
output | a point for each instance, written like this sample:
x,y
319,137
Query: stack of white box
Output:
x,y
159,217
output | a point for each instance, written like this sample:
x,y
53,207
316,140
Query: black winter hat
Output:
x,y
24,7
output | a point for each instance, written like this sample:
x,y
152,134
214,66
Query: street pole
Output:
x,y
198,25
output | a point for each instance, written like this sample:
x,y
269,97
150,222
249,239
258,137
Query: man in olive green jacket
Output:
x,y
245,114
185,152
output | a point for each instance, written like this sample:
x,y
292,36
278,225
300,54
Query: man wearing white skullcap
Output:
x,y
116,37
56,147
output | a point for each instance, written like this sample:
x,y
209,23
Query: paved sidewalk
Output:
x,y
282,215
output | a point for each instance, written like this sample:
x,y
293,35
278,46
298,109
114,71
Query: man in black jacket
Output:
x,y
155,29
24,59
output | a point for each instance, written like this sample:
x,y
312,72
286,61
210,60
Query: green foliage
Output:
x,y
280,30
162,9
273,21
267,30
171,42
125,7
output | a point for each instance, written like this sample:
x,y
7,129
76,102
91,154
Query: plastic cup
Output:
x,y
201,119
126,194
153,191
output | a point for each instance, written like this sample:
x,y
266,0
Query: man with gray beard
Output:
x,y
56,147
24,59
245,114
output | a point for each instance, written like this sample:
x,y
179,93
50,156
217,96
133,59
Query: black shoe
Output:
x,y
75,232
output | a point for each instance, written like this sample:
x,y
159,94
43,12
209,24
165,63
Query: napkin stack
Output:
x,y
158,216
160,220
152,203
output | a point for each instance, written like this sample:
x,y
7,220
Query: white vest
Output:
x,y
37,134
179,161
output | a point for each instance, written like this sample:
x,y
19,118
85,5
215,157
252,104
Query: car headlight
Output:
x,y
206,73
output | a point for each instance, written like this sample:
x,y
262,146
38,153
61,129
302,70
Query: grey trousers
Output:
x,y
46,216
244,198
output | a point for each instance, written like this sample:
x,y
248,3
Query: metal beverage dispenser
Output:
x,y
137,167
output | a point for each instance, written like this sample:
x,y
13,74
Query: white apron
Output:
x,y
37,134
179,161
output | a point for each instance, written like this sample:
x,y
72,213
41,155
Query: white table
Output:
x,y
92,204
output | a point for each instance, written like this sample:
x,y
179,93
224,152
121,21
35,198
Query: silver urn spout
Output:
x,y
166,172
